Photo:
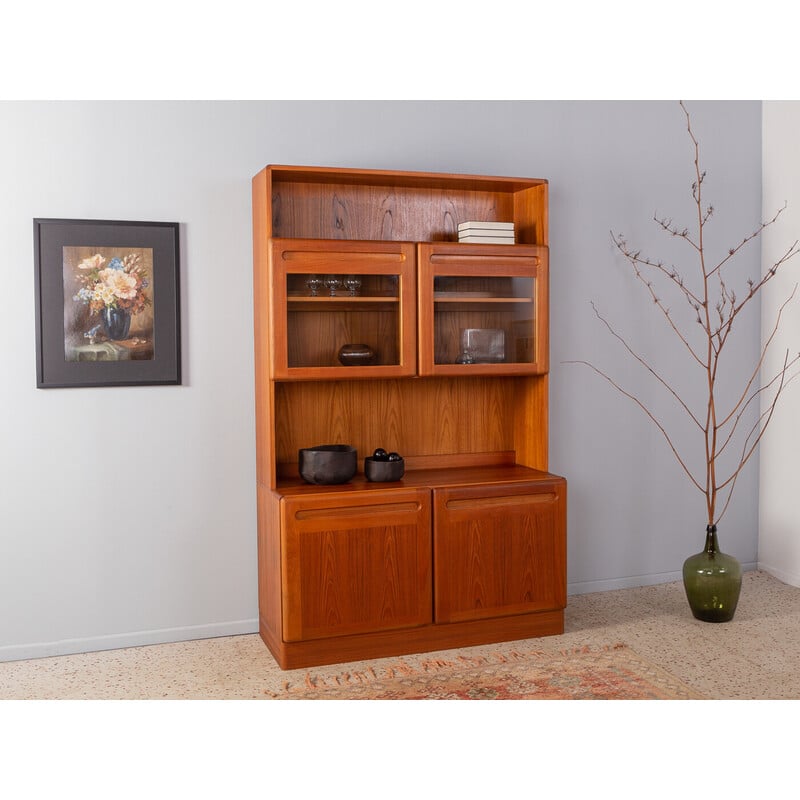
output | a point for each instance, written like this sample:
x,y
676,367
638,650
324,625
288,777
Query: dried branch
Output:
x,y
717,307
755,288
670,272
649,414
649,368
756,233
668,227
758,365
778,376
635,261
746,454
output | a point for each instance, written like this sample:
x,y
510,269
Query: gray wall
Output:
x,y
127,515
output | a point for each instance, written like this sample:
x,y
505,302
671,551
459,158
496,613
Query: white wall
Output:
x,y
779,521
127,515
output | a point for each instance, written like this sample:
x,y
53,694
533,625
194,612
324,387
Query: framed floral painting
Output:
x,y
107,303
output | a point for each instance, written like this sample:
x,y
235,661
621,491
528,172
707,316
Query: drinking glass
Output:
x,y
314,284
332,283
352,283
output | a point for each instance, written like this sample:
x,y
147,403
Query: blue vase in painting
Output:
x,y
116,322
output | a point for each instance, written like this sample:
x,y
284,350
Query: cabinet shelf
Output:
x,y
313,304
376,205
420,477
477,299
343,299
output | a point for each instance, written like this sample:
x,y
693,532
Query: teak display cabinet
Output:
x,y
470,546
309,328
482,287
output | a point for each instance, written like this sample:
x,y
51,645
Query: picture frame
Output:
x,y
107,303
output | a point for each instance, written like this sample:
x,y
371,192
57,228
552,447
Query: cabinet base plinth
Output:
x,y
341,649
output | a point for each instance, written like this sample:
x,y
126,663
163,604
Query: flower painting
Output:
x,y
108,303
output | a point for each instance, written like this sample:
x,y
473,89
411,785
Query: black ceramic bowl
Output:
x,y
375,470
356,355
328,463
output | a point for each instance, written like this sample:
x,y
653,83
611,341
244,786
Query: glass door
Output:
x,y
343,309
482,309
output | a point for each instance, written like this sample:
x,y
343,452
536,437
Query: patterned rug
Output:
x,y
588,673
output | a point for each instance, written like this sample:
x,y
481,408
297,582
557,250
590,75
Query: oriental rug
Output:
x,y
587,673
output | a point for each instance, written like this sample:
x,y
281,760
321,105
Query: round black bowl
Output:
x,y
328,463
356,355
375,470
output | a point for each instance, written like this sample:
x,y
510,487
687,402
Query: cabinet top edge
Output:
x,y
449,478
311,174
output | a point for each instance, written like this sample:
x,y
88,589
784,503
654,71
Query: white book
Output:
x,y
486,239
496,234
485,225
486,232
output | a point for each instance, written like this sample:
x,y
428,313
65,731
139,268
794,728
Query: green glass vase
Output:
x,y
712,581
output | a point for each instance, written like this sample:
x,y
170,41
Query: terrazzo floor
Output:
x,y
756,656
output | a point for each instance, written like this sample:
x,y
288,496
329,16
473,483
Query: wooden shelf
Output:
x,y
439,297
343,299
430,477
376,205
359,303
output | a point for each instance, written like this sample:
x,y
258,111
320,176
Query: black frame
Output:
x,y
50,237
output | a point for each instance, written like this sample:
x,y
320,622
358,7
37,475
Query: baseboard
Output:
x,y
115,641
632,581
64,647
780,574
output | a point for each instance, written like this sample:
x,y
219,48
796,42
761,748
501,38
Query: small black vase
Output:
x,y
116,322
712,581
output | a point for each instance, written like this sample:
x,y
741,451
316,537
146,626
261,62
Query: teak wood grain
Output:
x,y
440,323
436,416
304,344
499,549
355,563
469,547
326,203
422,639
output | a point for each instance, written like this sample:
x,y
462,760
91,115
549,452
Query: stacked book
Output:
x,y
486,232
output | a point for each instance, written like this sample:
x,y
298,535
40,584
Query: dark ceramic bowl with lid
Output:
x,y
356,355
328,463
382,470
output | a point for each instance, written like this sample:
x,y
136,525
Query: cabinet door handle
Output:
x,y
356,511
507,500
315,257
494,260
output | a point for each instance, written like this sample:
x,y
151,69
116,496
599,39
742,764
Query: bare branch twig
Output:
x,y
635,261
718,306
647,366
649,414
758,365
746,454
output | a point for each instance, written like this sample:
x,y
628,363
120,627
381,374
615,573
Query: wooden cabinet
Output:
x,y
499,549
482,309
355,563
325,294
469,547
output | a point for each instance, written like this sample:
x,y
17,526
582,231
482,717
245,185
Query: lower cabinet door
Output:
x,y
499,550
355,564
